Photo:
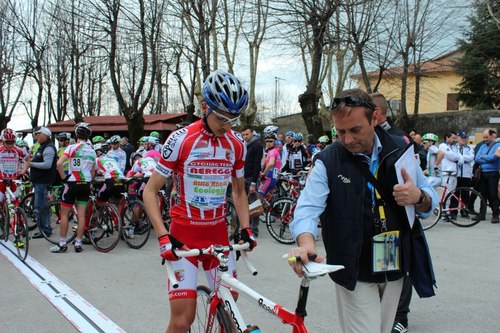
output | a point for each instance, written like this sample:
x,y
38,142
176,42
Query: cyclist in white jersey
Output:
x,y
117,153
203,158
81,158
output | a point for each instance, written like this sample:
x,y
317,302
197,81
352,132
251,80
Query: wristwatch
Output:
x,y
423,197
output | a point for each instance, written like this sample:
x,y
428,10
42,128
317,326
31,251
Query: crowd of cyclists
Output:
x,y
284,153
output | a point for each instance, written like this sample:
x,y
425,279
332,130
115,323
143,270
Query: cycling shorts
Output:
x,y
266,185
78,192
186,269
111,188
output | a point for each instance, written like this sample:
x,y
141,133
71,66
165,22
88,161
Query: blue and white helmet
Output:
x,y
298,136
289,133
223,91
271,129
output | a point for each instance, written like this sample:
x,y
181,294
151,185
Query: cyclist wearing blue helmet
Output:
x,y
202,158
287,145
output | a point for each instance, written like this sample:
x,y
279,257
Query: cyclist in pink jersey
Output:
x,y
271,163
203,158
81,159
12,160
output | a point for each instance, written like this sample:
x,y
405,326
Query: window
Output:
x,y
452,102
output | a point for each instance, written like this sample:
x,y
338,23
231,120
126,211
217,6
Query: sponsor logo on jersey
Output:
x,y
203,143
200,201
179,275
168,147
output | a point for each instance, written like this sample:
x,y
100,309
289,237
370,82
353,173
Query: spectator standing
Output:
x,y
43,174
488,183
255,151
449,163
337,191
128,149
464,171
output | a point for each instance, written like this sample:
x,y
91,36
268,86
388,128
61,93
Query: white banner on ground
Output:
x,y
79,312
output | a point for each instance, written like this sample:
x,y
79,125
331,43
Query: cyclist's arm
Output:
x,y
150,196
60,166
241,201
27,162
269,165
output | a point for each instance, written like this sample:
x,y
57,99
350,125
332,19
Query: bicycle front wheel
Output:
x,y
278,219
136,225
222,322
51,231
28,205
4,221
458,208
105,227
21,234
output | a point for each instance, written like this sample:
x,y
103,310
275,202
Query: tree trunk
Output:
x,y
309,105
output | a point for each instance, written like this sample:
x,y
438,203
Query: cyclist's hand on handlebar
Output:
x,y
247,237
168,244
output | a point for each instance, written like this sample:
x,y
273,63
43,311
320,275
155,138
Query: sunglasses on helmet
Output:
x,y
351,101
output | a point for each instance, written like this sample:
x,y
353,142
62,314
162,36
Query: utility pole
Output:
x,y
276,94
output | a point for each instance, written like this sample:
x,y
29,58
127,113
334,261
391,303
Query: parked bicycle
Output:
x,y
454,207
28,201
136,226
217,310
14,221
102,224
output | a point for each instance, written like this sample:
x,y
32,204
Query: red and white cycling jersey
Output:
x,y
202,165
10,162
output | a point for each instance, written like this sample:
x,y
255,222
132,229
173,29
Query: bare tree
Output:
x,y
30,25
13,72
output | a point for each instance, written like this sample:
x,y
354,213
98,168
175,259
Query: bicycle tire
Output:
x,y
27,203
232,222
4,221
278,218
136,225
433,219
22,234
222,322
463,217
53,210
104,227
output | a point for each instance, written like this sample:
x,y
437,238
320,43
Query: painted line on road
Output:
x,y
80,313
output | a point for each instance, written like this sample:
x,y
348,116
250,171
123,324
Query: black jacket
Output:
x,y
253,160
44,176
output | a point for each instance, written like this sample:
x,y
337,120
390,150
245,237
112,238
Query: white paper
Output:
x,y
407,161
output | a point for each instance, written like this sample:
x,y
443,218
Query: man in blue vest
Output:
x,y
354,216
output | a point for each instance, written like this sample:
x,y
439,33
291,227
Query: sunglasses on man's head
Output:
x,y
351,101
222,119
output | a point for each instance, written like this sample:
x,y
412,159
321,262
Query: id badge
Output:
x,y
386,252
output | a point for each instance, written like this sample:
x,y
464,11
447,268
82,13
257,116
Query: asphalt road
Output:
x,y
128,286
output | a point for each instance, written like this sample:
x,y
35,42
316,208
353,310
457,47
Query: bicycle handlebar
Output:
x,y
215,250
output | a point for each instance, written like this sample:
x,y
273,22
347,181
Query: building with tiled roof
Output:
x,y
438,85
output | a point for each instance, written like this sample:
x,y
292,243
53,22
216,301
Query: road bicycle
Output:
x,y
102,224
217,310
14,221
136,225
28,202
279,215
454,207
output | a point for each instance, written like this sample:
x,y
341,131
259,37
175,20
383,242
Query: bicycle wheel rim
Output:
x,y
462,215
28,205
136,225
21,234
278,219
105,228
53,213
221,321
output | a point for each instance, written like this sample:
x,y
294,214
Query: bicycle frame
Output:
x,y
225,282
